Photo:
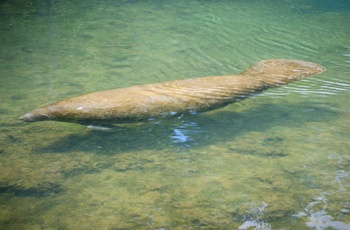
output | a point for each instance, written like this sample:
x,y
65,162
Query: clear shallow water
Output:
x,y
279,160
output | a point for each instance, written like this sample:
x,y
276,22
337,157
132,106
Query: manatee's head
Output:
x,y
41,114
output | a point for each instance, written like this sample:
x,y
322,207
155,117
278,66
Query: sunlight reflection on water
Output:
x,y
316,211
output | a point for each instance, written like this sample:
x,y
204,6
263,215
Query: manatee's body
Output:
x,y
174,97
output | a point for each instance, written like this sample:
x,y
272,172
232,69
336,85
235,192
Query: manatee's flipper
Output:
x,y
103,128
112,128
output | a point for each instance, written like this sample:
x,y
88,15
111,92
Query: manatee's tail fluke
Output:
x,y
283,71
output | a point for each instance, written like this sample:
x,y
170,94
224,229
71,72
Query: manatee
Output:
x,y
192,95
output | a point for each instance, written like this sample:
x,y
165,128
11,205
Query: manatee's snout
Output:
x,y
35,115
27,117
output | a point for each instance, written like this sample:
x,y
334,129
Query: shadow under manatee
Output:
x,y
192,130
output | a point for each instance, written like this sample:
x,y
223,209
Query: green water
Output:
x,y
279,160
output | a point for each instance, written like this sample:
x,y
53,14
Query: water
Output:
x,y
279,160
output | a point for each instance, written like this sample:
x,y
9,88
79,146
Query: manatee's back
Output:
x,y
142,101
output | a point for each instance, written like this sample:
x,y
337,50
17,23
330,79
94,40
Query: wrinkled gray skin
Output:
x,y
142,102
